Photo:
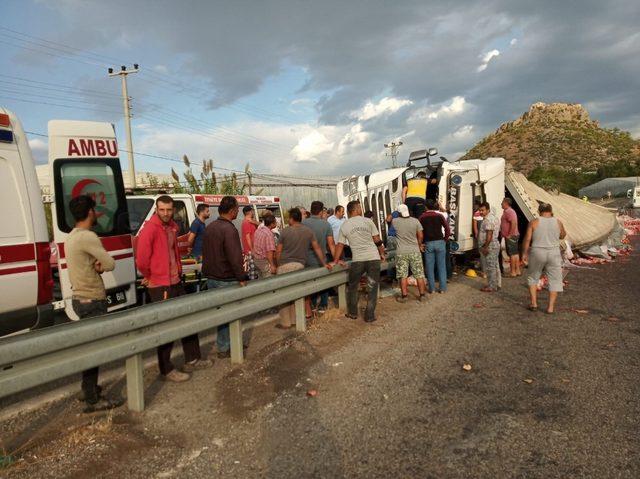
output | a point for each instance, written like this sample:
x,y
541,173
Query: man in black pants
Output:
x,y
158,259
368,251
86,261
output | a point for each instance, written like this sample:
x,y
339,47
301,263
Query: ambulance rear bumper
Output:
x,y
33,317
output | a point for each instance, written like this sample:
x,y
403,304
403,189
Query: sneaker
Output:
x,y
102,404
196,365
370,320
422,298
402,299
176,376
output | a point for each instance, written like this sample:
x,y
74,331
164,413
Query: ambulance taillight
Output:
x,y
45,277
6,136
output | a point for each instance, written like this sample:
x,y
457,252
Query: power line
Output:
x,y
52,97
172,113
58,105
70,53
269,176
59,87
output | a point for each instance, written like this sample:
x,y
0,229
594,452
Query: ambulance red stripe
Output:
x,y
110,243
115,257
20,269
17,252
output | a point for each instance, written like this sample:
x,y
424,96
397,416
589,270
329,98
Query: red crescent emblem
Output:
x,y
80,185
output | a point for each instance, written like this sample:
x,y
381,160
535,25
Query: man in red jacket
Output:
x,y
158,260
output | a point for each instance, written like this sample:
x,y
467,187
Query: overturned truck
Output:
x,y
459,184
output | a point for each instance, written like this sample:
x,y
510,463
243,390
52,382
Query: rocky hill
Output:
x,y
557,135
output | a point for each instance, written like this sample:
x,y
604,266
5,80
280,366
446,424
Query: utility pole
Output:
x,y
127,116
393,147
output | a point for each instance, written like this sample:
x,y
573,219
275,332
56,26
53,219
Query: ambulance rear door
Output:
x,y
84,160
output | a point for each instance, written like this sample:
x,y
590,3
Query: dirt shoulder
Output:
x,y
546,396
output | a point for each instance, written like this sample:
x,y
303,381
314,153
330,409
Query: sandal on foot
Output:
x,y
532,308
351,316
280,326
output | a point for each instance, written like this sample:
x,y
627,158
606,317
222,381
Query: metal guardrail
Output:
x,y
42,356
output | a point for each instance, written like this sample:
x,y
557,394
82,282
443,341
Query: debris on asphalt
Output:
x,y
581,311
478,305
467,367
528,381
312,393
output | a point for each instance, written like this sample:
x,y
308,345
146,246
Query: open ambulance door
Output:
x,y
83,158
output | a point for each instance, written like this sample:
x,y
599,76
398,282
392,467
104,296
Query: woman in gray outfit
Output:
x,y
542,252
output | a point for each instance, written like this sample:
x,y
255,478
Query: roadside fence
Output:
x,y
42,356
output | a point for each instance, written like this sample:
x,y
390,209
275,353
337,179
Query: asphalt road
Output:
x,y
546,396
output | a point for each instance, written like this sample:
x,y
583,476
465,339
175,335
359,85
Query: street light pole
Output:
x,y
127,116
394,146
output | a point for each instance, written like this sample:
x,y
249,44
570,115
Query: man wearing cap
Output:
x,y
409,253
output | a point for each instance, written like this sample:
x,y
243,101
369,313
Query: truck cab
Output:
x,y
459,185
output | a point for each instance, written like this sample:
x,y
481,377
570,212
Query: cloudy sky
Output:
x,y
314,87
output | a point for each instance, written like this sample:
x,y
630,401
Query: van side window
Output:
x,y
138,211
13,206
100,179
387,203
181,217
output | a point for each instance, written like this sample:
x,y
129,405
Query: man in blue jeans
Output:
x,y
222,261
435,254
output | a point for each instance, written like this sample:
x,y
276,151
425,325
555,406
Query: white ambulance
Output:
x,y
26,284
84,160
142,207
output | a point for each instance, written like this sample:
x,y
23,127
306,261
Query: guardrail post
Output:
x,y
342,296
235,337
135,383
301,322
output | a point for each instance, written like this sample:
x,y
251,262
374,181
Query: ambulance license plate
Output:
x,y
115,297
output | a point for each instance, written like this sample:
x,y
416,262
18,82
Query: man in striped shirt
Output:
x,y
264,247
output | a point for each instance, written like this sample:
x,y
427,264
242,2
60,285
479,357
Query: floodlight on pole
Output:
x,y
393,148
127,115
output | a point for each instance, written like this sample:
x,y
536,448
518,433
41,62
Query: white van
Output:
x,y
142,207
26,284
84,160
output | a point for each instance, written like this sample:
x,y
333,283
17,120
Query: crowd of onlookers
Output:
x,y
417,237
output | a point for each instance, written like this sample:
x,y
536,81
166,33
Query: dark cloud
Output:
x,y
424,51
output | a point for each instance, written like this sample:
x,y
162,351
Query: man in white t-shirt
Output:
x,y
367,249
